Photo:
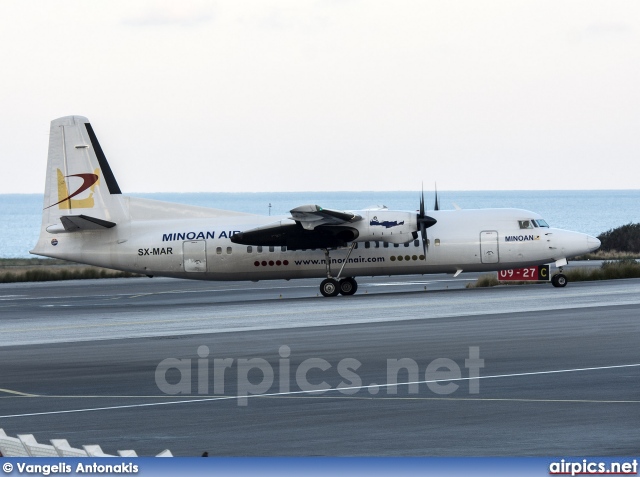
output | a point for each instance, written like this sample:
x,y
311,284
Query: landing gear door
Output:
x,y
489,246
195,256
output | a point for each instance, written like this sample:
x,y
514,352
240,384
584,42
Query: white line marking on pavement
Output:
x,y
291,393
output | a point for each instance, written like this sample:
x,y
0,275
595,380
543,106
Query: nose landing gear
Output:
x,y
559,280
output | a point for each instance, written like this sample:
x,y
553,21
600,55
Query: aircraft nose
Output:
x,y
593,243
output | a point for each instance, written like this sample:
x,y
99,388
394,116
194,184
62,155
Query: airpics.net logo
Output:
x,y
592,467
243,378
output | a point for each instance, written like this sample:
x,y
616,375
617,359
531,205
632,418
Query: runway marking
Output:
x,y
316,310
294,393
17,393
102,296
218,290
168,292
429,282
418,398
368,398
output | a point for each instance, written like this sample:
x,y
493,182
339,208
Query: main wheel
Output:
x,y
348,286
559,280
329,287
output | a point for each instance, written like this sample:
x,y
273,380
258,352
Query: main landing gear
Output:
x,y
335,286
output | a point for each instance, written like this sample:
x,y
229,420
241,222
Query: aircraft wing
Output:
x,y
311,216
310,226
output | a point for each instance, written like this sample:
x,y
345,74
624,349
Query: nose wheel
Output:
x,y
559,280
333,287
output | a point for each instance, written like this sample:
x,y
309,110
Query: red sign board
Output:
x,y
539,273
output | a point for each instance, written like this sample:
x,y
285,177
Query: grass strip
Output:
x,y
60,273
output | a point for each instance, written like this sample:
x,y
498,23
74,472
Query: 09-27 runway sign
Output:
x,y
539,273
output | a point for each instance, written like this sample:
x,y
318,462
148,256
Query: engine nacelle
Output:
x,y
390,226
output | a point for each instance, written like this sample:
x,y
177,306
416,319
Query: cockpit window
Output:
x,y
525,224
542,223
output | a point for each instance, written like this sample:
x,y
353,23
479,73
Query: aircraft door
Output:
x,y
194,255
489,246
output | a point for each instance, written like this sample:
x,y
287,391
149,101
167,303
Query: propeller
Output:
x,y
424,222
436,205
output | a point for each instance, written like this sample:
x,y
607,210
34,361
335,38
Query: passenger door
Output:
x,y
194,255
489,246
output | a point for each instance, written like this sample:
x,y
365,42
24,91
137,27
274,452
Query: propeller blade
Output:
x,y
423,233
424,222
436,206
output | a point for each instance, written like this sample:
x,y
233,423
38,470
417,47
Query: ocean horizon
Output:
x,y
591,212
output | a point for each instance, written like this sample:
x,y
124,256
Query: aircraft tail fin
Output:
x,y
79,184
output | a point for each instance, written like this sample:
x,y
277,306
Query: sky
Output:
x,y
349,95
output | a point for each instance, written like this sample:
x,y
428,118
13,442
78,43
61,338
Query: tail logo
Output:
x,y
67,201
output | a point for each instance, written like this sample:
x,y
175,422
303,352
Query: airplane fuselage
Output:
x,y
200,248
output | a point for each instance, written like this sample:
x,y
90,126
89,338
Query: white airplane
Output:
x,y
86,219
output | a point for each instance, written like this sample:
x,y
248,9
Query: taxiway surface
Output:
x,y
561,370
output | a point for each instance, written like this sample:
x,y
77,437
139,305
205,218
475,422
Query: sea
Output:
x,y
591,212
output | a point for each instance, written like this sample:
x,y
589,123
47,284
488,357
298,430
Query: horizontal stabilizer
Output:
x,y
73,223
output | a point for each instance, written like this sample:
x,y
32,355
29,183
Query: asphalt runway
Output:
x,y
560,374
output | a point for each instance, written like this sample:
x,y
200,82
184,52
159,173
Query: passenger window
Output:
x,y
259,248
377,244
525,224
229,249
249,249
271,249
367,245
385,244
406,244
356,245
416,243
219,250
437,242
396,245
283,249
